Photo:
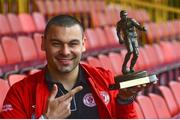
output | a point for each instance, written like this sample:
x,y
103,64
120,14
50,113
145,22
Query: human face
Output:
x,y
63,47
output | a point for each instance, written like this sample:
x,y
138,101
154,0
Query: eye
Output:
x,y
74,44
55,44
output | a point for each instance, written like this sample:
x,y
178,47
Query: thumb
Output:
x,y
53,92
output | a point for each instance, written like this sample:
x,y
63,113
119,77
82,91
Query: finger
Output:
x,y
53,92
70,93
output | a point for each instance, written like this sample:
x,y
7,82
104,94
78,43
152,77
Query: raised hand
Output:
x,y
59,108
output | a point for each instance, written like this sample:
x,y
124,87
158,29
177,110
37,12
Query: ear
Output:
x,y
84,43
42,43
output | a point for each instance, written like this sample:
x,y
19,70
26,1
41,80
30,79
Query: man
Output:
x,y
126,32
65,88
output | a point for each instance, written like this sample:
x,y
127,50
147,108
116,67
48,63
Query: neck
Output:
x,y
67,79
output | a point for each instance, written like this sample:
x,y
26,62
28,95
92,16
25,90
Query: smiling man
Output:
x,y
65,88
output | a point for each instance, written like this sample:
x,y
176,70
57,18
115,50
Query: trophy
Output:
x,y
126,32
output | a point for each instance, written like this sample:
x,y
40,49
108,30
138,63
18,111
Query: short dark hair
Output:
x,y
63,20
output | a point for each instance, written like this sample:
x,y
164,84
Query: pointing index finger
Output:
x,y
70,93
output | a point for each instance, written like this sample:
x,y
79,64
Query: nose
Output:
x,y
65,50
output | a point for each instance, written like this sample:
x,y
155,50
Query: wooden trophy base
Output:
x,y
133,79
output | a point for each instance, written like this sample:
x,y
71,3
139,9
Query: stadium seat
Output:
x,y
14,23
5,27
71,6
27,23
138,110
147,107
41,7
27,48
159,53
63,6
110,37
145,58
49,8
95,22
170,100
4,87
13,78
151,56
160,106
37,41
93,61
11,50
39,21
106,62
101,37
169,54
175,88
56,7
81,6
92,39
116,61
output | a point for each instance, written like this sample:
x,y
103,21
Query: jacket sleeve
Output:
x,y
13,105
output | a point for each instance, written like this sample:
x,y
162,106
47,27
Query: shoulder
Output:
x,y
98,73
132,20
29,82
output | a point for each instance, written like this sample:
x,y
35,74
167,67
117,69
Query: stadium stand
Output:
x,y
20,48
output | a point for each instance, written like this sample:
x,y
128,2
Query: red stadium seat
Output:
x,y
63,6
41,7
94,18
106,62
4,87
38,40
159,53
5,27
57,9
92,39
101,37
72,6
27,48
93,61
116,61
110,36
146,107
169,54
138,110
27,23
170,100
39,21
13,78
14,23
11,50
175,88
49,7
160,106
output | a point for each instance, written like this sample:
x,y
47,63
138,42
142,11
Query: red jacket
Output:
x,y
29,96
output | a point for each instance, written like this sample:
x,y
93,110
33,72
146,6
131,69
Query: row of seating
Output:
x,y
54,7
23,23
96,12
21,53
162,31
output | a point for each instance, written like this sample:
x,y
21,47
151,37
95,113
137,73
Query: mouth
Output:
x,y
65,61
